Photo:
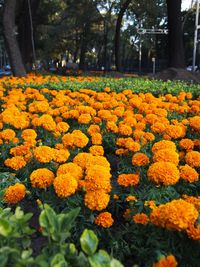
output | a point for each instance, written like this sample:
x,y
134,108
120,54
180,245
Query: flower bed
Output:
x,y
127,154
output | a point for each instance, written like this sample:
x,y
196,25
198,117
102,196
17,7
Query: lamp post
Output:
x,y
197,27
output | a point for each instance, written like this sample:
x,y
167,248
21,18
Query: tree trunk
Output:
x,y
117,34
24,28
9,28
176,48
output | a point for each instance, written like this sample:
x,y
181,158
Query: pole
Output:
x,y
195,36
32,35
140,56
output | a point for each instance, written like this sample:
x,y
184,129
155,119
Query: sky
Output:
x,y
186,4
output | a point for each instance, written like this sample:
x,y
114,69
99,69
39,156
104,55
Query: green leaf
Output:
x,y
26,254
49,223
116,263
89,242
100,259
19,213
58,261
66,221
5,228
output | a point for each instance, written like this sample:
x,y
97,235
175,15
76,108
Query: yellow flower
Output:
x,y
104,219
65,185
14,193
42,178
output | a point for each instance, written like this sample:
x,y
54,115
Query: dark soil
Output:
x,y
178,74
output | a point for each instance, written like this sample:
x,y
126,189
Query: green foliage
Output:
x,y
15,241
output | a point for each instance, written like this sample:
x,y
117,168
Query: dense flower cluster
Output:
x,y
175,215
117,151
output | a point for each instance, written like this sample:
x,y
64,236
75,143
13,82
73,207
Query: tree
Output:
x,y
176,48
9,29
25,35
117,33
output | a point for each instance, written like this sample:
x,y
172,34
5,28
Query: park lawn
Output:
x,y
125,151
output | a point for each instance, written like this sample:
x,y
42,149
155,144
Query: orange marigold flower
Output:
x,y
115,196
80,139
132,145
158,127
71,168
15,163
128,179
104,219
141,218
112,127
84,118
125,129
121,151
14,193
187,144
163,144
189,174
93,129
98,160
82,159
174,131
96,200
44,154
96,139
175,215
65,185
166,155
140,159
168,261
68,140
61,155
192,158
28,134
194,232
47,122
150,203
96,150
62,127
163,173
97,177
127,214
131,198
8,134
195,123
42,178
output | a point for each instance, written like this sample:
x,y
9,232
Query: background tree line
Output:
x,y
96,34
